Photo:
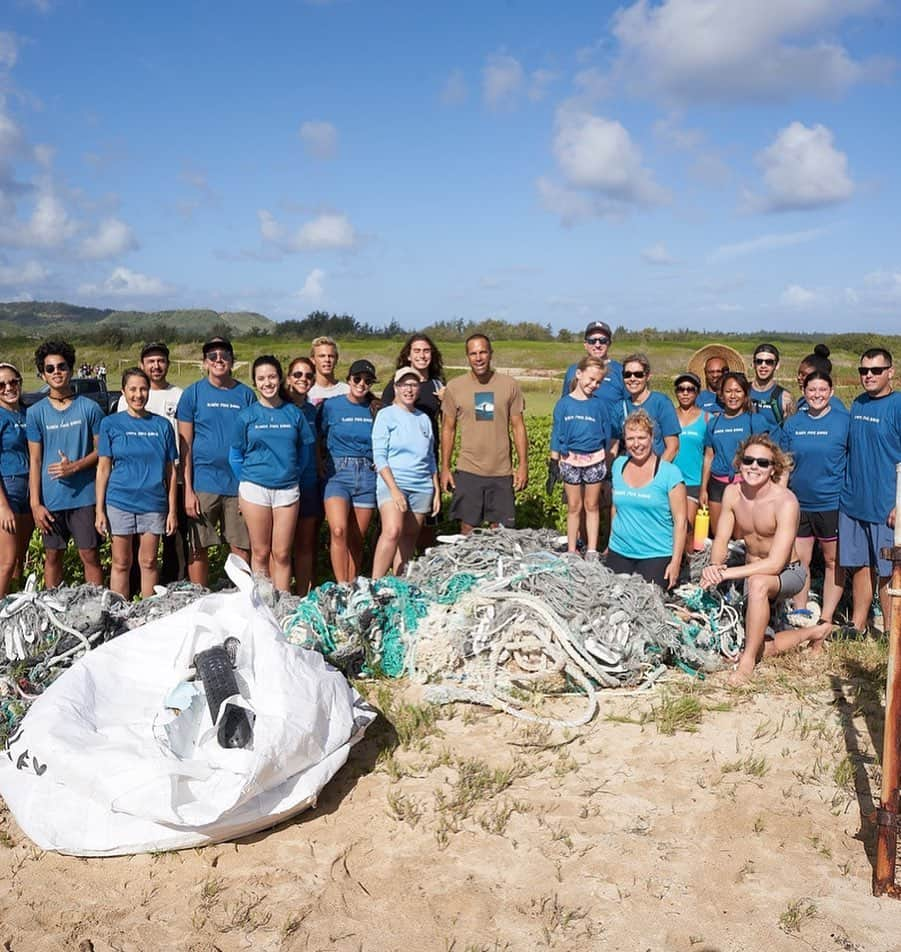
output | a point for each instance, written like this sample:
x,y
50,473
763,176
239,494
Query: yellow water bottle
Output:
x,y
702,528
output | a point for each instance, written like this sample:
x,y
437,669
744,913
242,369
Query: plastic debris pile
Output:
x,y
43,633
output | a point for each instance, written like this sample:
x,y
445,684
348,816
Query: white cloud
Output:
x,y
598,154
799,298
320,139
502,79
657,254
674,134
328,231
726,50
454,92
766,243
313,289
28,272
123,282
9,50
49,226
802,169
113,237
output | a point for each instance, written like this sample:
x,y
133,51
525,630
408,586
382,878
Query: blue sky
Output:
x,y
714,164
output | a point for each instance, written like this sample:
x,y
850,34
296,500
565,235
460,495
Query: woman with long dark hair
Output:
x,y
271,447
16,521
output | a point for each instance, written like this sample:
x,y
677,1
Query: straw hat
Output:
x,y
733,359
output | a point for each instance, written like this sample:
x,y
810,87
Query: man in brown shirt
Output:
x,y
488,407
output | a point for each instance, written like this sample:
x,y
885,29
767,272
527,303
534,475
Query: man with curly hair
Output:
x,y
62,433
761,510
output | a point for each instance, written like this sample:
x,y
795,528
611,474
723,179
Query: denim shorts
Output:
x,y
17,493
123,523
352,478
418,500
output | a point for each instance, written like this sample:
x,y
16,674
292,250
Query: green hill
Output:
x,y
39,318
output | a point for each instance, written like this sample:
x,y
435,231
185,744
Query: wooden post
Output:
x,y
887,815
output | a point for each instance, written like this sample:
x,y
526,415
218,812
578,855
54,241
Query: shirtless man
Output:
x,y
765,514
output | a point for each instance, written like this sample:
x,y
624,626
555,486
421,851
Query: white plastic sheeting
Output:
x,y
101,767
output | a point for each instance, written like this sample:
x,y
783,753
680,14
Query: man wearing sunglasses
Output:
x,y
62,436
866,507
765,513
206,414
598,338
767,396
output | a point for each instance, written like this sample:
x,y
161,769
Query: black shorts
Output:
x,y
823,526
651,570
479,499
715,489
77,524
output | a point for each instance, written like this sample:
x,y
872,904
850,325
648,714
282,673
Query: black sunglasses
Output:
x,y
361,378
219,355
875,371
61,367
761,461
638,374
686,389
765,360
597,340
303,375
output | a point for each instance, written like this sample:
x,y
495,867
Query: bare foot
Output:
x,y
818,635
740,676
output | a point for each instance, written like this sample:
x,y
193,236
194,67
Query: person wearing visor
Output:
x,y
692,430
403,447
207,413
62,436
761,510
767,396
344,423
866,508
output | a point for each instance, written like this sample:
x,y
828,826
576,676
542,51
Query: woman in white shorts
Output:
x,y
136,486
270,450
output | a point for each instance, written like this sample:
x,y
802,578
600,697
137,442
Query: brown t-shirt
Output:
x,y
482,412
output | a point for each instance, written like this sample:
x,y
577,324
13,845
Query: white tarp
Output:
x,y
100,766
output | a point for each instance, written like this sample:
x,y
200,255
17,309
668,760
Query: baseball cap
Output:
x,y
406,372
598,327
767,349
154,347
693,379
218,343
361,367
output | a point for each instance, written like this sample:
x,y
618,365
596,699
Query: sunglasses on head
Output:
x,y
362,378
595,341
303,374
767,361
61,367
637,374
875,371
762,461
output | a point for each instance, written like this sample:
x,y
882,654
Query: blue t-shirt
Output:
x,y
13,443
819,449
643,525
690,458
70,431
874,448
346,428
768,403
611,389
708,400
213,413
140,448
834,402
404,442
309,476
660,409
271,446
725,434
580,426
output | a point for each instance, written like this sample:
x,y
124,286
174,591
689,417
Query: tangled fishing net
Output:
x,y
498,617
